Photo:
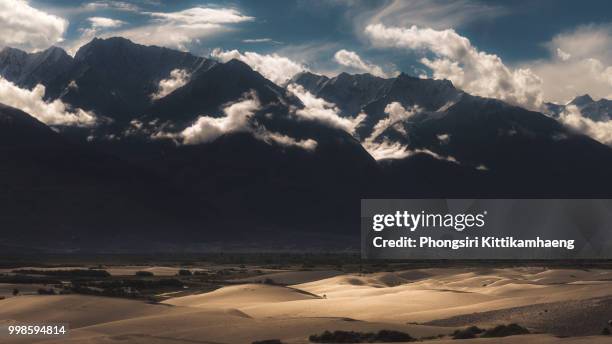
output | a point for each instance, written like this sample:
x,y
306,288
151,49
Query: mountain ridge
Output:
x,y
453,144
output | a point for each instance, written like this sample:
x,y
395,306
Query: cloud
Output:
x,y
384,149
387,150
183,28
284,140
580,62
238,117
178,78
276,68
437,14
563,55
456,59
51,113
102,22
443,138
600,130
25,27
260,40
396,113
317,109
98,26
352,60
108,5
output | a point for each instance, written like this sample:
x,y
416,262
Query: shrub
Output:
x,y
43,291
337,337
467,333
505,331
144,274
65,273
388,336
184,272
383,336
605,331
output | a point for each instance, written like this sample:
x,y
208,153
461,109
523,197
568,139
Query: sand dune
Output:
x,y
291,277
77,310
424,302
243,295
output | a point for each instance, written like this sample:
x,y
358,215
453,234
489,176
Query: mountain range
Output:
x,y
597,110
230,158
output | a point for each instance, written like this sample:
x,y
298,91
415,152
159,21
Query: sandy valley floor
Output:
x,y
562,306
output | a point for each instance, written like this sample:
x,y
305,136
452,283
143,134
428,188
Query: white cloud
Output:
x,y
317,109
260,40
238,118
600,130
563,55
202,16
581,62
102,22
276,68
457,60
25,27
107,5
438,14
178,78
180,29
586,41
385,150
396,113
98,26
443,138
51,113
284,140
352,60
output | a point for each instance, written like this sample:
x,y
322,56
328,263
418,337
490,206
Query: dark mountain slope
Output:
x,y
600,110
526,153
57,194
27,70
116,78
273,184
209,89
502,150
349,92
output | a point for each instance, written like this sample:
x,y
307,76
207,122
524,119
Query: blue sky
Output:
x,y
521,51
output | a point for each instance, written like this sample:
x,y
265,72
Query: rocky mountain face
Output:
x,y
27,70
113,77
349,92
248,178
116,78
57,194
504,150
597,110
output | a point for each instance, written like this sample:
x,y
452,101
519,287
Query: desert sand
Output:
x,y
423,303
